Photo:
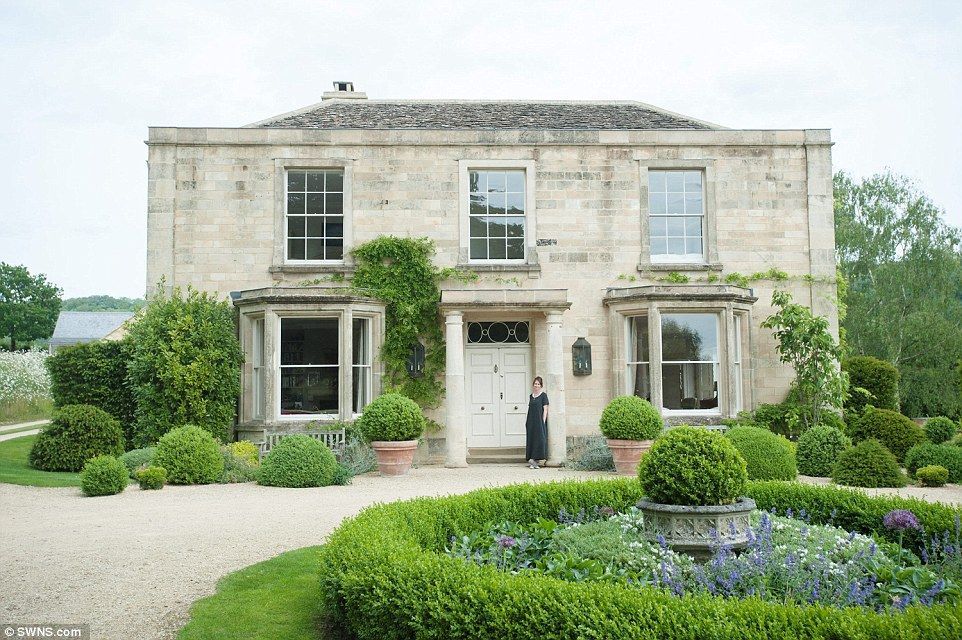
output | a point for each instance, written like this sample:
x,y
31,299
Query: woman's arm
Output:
x,y
544,418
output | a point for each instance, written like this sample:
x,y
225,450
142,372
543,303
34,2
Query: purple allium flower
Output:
x,y
900,520
506,542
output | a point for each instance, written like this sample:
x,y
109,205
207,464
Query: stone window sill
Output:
x,y
312,268
681,266
501,268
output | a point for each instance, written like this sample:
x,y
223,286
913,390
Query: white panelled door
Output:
x,y
498,386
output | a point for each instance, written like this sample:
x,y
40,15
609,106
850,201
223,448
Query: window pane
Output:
x,y
689,336
479,249
496,181
659,226
657,203
479,226
361,388
334,226
693,203
676,226
308,390
497,227
295,227
515,204
479,204
335,181
335,204
479,182
639,339
335,249
515,181
295,180
497,250
693,246
315,226
640,382
515,227
315,181
315,249
656,181
693,226
659,246
315,204
689,386
676,203
693,182
676,246
496,203
309,341
515,248
295,249
360,341
295,204
675,181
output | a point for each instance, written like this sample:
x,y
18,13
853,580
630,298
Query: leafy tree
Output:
x,y
102,303
29,305
805,341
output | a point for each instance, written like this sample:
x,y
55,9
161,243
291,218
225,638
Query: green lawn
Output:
x,y
15,470
277,598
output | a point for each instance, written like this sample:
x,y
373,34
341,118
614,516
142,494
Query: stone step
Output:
x,y
495,455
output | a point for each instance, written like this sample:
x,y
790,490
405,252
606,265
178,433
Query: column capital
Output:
x,y
455,316
553,316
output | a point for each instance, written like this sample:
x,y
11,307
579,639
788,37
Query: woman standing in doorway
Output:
x,y
537,424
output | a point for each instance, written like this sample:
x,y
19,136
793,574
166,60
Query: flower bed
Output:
x,y
378,567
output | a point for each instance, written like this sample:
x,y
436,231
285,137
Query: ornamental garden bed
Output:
x,y
539,567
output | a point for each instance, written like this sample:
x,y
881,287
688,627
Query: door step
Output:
x,y
495,455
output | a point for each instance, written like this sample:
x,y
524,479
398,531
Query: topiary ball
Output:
x,y
879,378
944,455
692,466
77,433
768,456
630,418
939,430
818,450
137,458
896,432
391,417
868,464
151,478
190,455
298,461
103,476
932,476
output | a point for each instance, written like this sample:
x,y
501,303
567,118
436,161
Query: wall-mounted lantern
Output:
x,y
416,360
581,357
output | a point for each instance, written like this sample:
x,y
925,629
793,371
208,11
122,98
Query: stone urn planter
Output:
x,y
394,458
627,454
694,530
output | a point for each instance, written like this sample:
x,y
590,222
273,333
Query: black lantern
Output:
x,y
416,360
581,357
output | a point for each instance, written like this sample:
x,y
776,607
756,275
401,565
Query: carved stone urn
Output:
x,y
694,530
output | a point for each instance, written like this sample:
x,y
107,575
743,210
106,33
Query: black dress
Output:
x,y
537,429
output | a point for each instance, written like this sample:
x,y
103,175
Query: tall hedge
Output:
x,y
185,365
879,378
95,373
931,392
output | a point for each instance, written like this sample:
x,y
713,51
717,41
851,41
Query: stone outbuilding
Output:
x,y
75,327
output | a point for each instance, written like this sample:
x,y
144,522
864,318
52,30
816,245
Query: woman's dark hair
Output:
x,y
539,381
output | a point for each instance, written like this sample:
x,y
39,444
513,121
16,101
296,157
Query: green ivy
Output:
x,y
400,272
675,277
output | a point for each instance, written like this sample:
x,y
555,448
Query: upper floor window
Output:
x,y
314,215
497,214
676,205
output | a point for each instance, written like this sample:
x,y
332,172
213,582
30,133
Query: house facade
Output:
x,y
655,238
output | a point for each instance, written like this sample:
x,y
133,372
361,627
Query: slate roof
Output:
x,y
84,326
493,115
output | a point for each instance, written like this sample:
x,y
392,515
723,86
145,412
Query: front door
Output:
x,y
498,379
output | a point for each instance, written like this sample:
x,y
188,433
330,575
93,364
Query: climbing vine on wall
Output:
x,y
400,272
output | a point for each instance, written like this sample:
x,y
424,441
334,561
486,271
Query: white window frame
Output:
x,y
280,367
367,377
739,400
679,257
716,410
258,370
464,208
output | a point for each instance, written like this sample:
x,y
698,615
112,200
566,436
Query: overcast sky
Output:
x,y
83,80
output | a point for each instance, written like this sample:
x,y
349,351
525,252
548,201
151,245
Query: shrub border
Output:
x,y
384,575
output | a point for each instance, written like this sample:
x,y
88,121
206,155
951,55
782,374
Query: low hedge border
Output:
x,y
384,575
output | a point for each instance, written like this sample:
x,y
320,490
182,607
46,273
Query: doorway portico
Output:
x,y
497,340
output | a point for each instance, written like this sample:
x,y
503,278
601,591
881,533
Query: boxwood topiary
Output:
x,y
152,478
944,455
878,377
630,418
940,429
137,458
932,475
692,466
891,428
768,456
190,455
77,433
819,448
103,476
868,464
391,417
298,461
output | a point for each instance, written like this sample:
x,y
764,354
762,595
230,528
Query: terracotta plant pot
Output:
x,y
394,458
627,454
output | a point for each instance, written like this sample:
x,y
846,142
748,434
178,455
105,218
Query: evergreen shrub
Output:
x,y
940,429
391,417
932,475
299,461
878,377
630,418
818,450
103,476
944,455
868,464
891,428
768,456
190,455
77,433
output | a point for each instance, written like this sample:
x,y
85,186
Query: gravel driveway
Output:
x,y
130,565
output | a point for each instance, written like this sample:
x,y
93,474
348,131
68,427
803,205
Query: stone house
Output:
x,y
616,224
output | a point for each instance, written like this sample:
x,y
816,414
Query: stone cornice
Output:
x,y
680,292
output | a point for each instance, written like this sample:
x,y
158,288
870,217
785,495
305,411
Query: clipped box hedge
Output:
x,y
384,575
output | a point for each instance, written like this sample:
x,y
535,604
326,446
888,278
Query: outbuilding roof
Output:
x,y
83,326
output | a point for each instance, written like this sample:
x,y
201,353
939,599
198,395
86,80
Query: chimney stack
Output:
x,y
344,90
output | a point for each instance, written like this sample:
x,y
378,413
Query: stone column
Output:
x,y
727,366
555,388
456,418
654,358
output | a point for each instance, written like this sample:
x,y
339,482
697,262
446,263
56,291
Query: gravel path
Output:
x,y
130,565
